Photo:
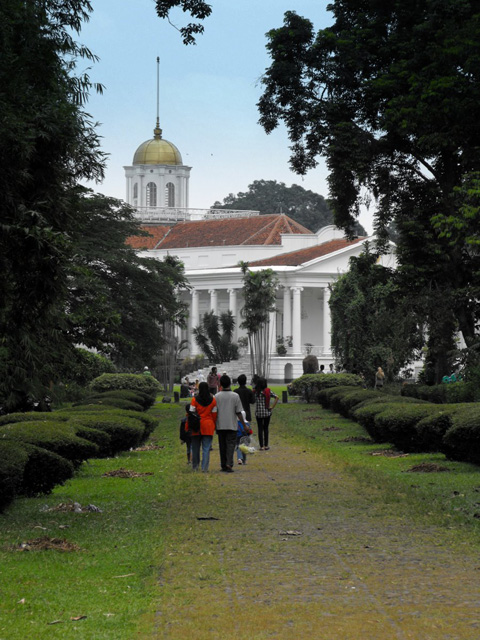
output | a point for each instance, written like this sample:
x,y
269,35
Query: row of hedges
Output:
x,y
442,393
41,450
310,384
411,425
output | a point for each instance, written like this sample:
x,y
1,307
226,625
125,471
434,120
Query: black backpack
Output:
x,y
193,423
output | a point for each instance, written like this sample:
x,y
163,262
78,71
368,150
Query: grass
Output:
x,y
115,577
453,496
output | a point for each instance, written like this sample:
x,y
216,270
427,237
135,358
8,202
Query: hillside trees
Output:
x,y
388,95
269,196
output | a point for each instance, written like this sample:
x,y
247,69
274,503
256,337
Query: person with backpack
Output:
x,y
203,412
185,435
263,411
229,414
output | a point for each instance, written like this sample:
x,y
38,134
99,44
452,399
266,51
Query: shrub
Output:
x,y
140,397
366,417
101,438
13,459
462,439
108,401
125,433
347,400
325,396
308,385
31,416
396,423
44,470
133,382
429,431
51,435
455,392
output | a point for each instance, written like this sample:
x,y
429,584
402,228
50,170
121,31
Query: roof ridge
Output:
x,y
262,229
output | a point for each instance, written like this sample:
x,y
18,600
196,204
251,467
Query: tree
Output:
x,y
259,293
214,336
269,196
118,302
372,324
47,144
387,94
197,9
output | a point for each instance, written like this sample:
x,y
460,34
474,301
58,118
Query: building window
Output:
x,y
151,194
170,194
135,193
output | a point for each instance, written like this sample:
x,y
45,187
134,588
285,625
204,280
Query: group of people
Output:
x,y
216,408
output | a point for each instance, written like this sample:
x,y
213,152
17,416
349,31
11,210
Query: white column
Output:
x,y
232,305
272,347
194,316
213,301
327,340
287,312
297,320
141,196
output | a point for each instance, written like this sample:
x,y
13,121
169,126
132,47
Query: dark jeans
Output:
x,y
196,442
227,440
262,424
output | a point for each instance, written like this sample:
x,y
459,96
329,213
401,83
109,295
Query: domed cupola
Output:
x,y
157,151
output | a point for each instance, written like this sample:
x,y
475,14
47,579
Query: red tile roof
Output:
x,y
301,256
257,230
156,231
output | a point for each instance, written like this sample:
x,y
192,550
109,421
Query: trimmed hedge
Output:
x,y
101,438
106,400
344,402
44,470
30,416
462,440
130,381
452,393
396,423
52,435
13,459
310,384
139,397
125,432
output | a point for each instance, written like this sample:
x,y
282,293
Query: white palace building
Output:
x,y
211,243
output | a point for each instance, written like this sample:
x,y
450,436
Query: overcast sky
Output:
x,y
208,93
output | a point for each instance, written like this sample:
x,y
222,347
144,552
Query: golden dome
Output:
x,y
157,151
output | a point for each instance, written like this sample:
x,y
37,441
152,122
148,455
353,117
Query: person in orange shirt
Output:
x,y
205,405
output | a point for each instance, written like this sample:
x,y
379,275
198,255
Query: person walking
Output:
x,y
379,378
229,413
205,405
263,411
246,396
213,381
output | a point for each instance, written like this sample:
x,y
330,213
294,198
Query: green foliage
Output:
x,y
44,470
139,397
397,422
269,196
371,323
125,432
13,459
214,336
260,295
196,8
52,435
310,384
83,366
129,381
441,393
462,439
385,94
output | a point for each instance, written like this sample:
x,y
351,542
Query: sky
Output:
x,y
208,93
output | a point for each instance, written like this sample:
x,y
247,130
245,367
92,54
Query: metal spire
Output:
x,y
157,132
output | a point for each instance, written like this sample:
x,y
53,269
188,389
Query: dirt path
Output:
x,y
298,549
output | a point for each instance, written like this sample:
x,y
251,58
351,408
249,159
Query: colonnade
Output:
x,y
292,316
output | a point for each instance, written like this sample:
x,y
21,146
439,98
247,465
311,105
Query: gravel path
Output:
x,y
291,547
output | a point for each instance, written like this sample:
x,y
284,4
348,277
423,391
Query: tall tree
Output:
x,y
372,322
259,293
47,143
214,336
198,9
389,94
269,196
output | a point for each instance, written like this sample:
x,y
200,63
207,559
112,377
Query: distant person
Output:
x,y
379,378
185,434
263,411
146,371
213,381
322,369
205,405
330,369
229,413
246,396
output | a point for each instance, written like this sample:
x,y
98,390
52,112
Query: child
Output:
x,y
242,433
184,434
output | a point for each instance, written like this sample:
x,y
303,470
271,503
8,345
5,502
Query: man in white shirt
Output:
x,y
229,412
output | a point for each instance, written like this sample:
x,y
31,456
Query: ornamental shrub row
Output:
x,y
442,393
411,424
310,384
41,450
